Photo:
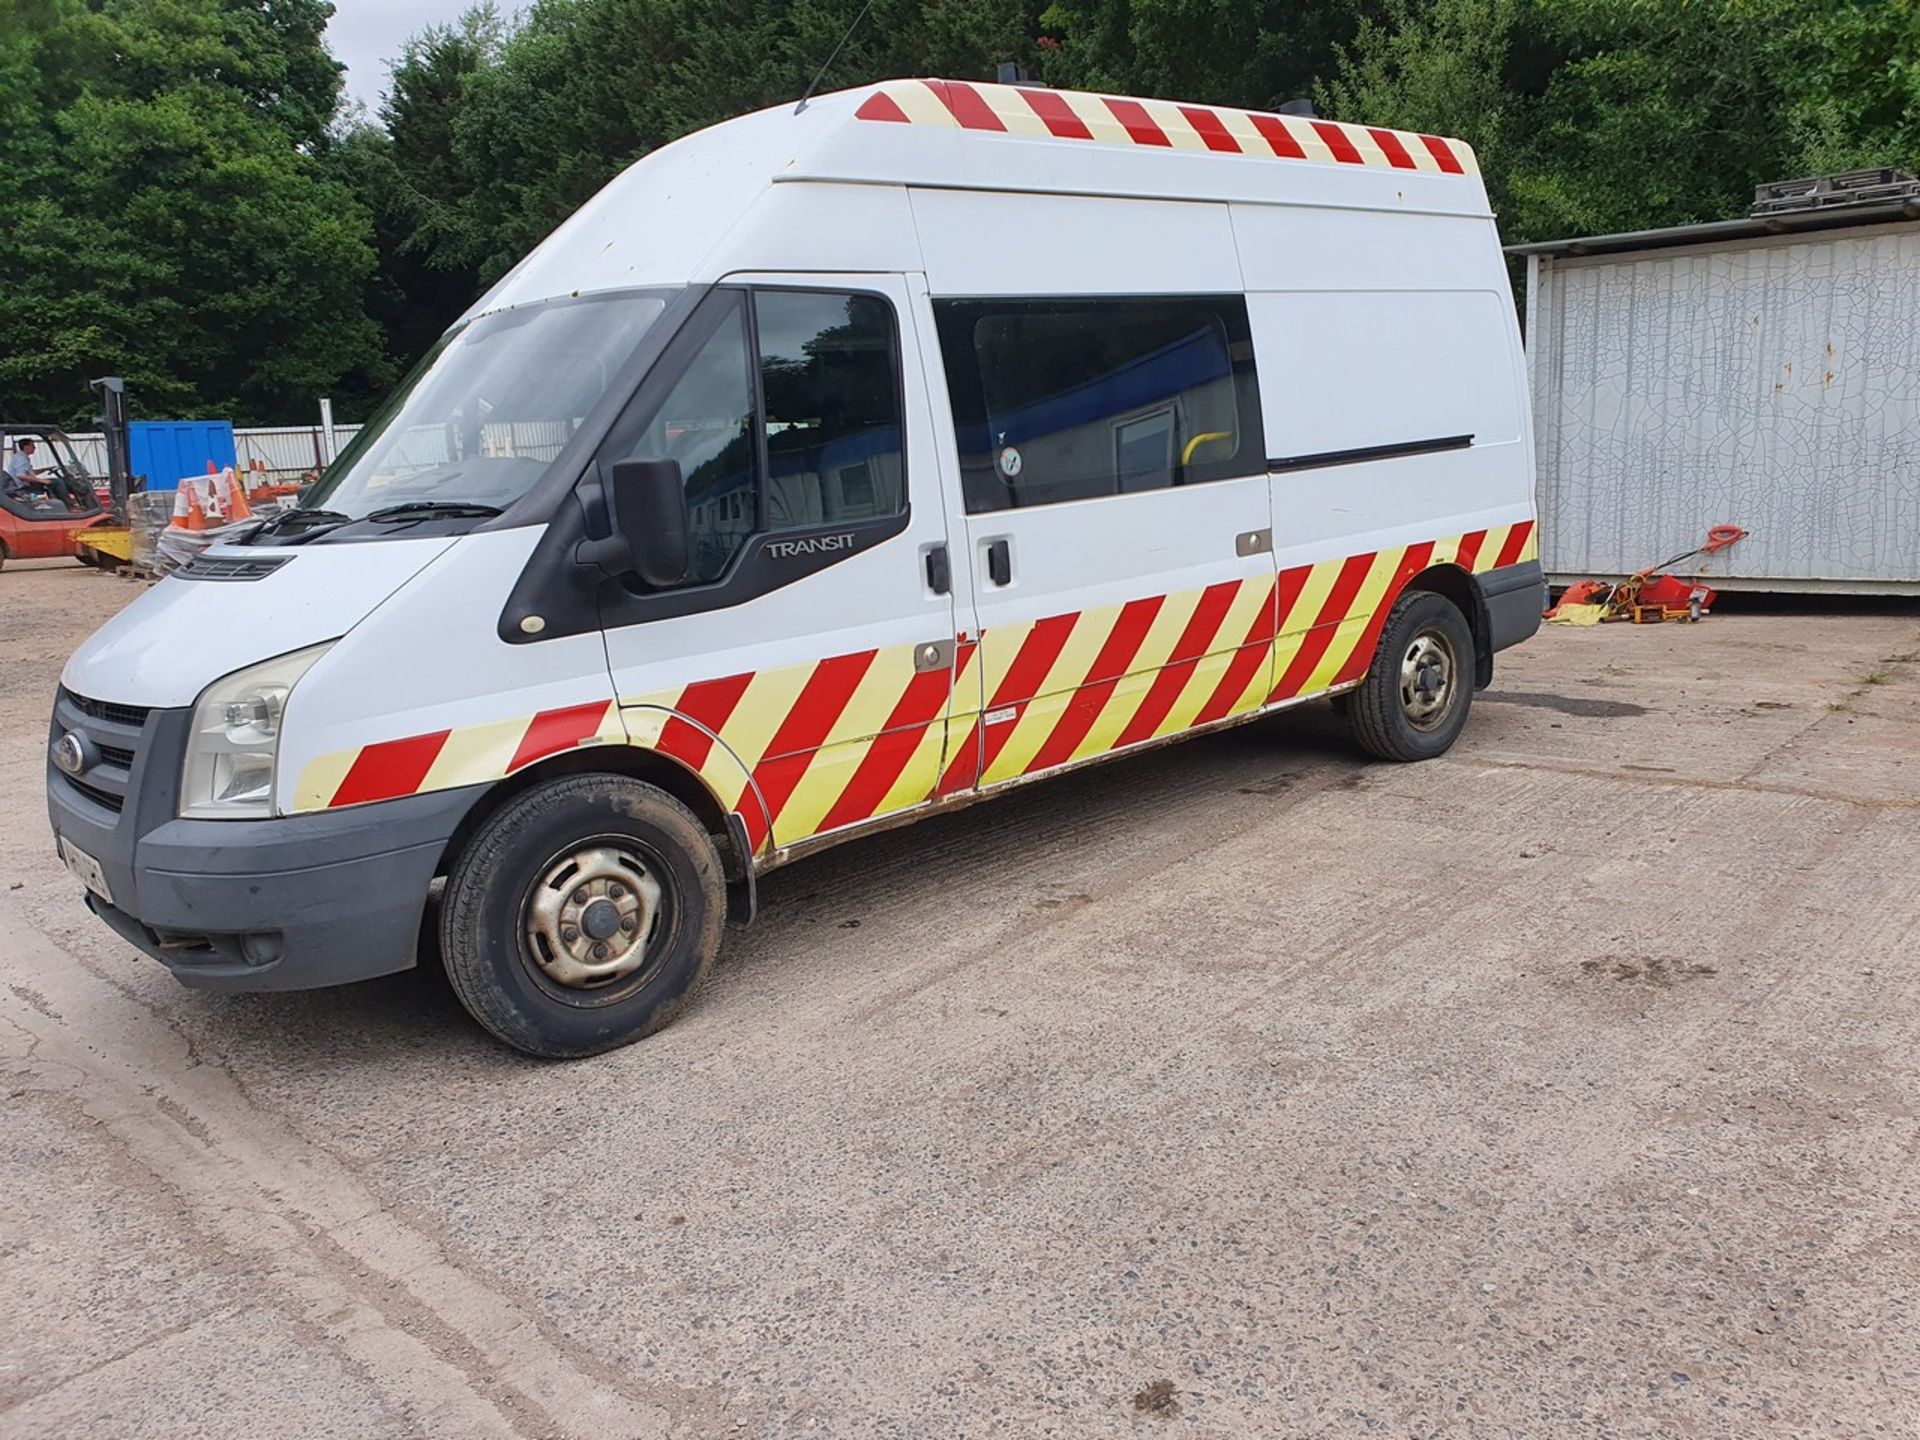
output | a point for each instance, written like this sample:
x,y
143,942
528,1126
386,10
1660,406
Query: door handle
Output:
x,y
939,570
999,562
1253,542
933,655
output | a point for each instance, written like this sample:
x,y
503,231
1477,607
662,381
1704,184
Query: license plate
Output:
x,y
86,869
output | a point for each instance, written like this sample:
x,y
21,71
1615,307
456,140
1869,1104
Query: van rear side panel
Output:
x,y
1351,371
1380,331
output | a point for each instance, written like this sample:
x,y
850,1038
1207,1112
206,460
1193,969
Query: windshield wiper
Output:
x,y
435,510
303,518
294,527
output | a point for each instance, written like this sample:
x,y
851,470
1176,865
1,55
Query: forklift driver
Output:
x,y
23,479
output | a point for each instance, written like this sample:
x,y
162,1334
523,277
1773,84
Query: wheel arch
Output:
x,y
1457,585
635,762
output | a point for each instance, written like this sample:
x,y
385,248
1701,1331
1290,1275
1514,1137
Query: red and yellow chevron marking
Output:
x,y
817,746
1068,687
804,749
446,759
1160,124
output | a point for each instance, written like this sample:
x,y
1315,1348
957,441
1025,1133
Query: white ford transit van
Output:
x,y
831,467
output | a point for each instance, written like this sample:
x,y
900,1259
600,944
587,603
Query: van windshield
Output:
x,y
485,413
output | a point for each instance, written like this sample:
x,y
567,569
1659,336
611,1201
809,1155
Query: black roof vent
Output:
x,y
1829,192
230,567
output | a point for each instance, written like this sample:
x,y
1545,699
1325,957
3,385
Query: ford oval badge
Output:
x,y
72,754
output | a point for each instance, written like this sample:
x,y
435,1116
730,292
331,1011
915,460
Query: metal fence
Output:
x,y
289,452
286,451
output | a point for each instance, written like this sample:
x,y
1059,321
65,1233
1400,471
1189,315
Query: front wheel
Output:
x,y
582,915
1417,692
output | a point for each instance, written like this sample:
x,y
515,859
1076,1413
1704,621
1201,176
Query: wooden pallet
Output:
x,y
111,550
104,546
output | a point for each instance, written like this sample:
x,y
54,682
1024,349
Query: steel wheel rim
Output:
x,y
1429,671
593,921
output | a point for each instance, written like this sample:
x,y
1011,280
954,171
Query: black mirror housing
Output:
x,y
647,512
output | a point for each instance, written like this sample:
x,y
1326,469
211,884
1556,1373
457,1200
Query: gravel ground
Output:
x,y
1563,1086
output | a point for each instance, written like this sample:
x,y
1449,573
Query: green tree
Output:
x,y
1440,68
582,88
1251,53
405,171
166,215
1610,115
1853,89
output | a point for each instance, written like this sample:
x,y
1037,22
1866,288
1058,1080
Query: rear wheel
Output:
x,y
1416,694
582,915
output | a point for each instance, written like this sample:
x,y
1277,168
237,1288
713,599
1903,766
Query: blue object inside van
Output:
x,y
166,450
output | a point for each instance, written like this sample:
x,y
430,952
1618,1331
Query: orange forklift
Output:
x,y
35,523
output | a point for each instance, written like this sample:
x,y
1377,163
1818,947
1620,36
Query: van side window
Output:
x,y
830,380
1072,399
785,414
706,422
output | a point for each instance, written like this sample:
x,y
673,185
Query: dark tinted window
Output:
x,y
816,442
830,380
1071,399
706,423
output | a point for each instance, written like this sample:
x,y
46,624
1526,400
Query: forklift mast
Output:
x,y
112,420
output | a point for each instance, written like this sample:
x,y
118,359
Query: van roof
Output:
x,y
1078,117
709,202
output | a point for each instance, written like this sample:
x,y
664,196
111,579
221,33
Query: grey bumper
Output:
x,y
286,904
1516,597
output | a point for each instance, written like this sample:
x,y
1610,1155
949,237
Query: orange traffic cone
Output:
x,y
196,514
236,497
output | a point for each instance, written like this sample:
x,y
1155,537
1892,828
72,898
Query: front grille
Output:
x,y
116,734
130,715
94,793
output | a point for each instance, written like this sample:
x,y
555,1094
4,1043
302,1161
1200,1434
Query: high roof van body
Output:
x,y
833,466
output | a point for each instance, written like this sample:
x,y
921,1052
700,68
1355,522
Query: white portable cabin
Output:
x,y
1761,372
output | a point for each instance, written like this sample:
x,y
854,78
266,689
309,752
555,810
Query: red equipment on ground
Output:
x,y
1647,595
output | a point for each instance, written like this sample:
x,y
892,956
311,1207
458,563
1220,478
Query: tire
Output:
x,y
519,943
1419,688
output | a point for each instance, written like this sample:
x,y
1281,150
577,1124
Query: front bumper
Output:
x,y
286,904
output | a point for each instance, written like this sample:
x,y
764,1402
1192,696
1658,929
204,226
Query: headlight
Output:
x,y
236,737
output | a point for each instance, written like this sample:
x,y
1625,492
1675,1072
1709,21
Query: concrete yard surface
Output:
x,y
1564,1086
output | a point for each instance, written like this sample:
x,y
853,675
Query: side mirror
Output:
x,y
647,509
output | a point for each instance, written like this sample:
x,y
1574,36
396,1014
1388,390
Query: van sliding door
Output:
x,y
1116,520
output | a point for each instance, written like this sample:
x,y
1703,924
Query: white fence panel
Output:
x,y
287,451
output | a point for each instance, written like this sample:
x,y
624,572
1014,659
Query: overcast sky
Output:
x,y
365,34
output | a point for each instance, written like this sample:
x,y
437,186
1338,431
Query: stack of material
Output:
x,y
148,514
206,510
